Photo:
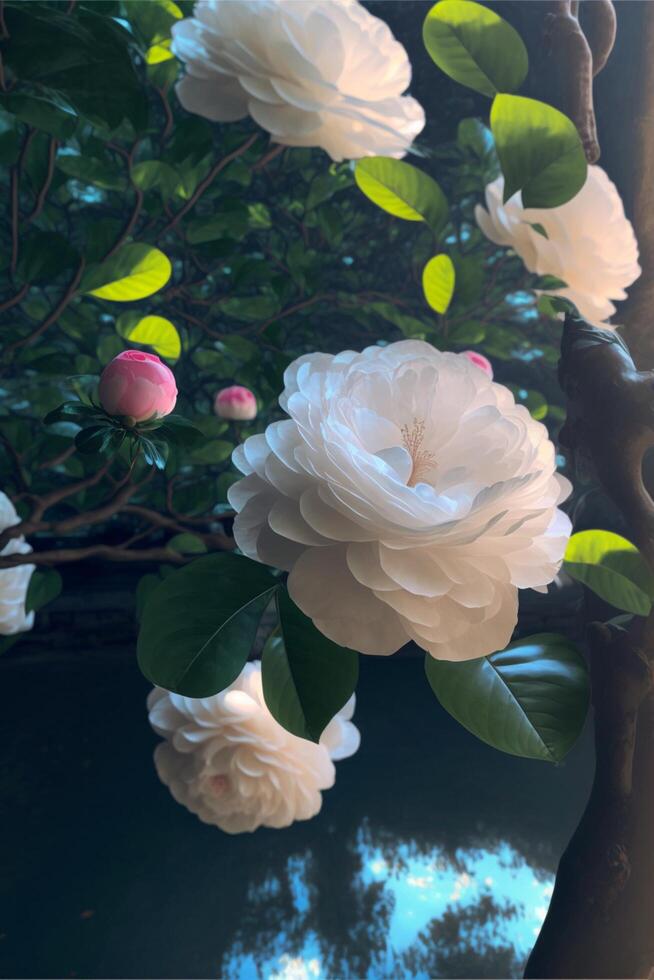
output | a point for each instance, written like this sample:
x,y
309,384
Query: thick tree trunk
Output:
x,y
601,918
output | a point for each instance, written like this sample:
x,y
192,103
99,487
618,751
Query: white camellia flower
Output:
x,y
408,496
227,760
311,72
588,243
13,581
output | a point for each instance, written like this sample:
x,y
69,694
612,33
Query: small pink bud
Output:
x,y
480,361
237,403
139,385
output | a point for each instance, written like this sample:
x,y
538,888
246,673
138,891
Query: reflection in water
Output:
x,y
416,911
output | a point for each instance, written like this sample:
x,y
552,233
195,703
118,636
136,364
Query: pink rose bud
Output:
x,y
137,385
237,403
480,361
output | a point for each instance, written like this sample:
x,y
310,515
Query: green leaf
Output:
x,y
43,113
199,625
528,700
45,585
159,52
44,255
250,307
540,151
306,678
69,412
215,451
612,568
402,190
155,175
134,272
108,348
438,278
475,46
154,18
98,438
159,333
181,432
91,171
187,544
155,452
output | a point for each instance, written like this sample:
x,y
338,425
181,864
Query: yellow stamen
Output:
x,y
423,459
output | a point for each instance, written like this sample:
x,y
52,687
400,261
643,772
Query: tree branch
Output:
x,y
204,184
588,929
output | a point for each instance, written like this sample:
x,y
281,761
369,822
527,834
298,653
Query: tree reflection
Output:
x,y
372,909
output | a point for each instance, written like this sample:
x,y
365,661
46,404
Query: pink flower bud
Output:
x,y
236,402
138,385
480,361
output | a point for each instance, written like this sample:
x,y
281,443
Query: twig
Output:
x,y
61,556
165,132
295,308
267,157
45,187
16,298
204,184
53,316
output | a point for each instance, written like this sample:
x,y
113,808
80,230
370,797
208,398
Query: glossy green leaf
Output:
x,y
540,151
45,585
306,678
438,279
612,568
134,272
47,114
198,626
402,190
159,333
528,700
475,46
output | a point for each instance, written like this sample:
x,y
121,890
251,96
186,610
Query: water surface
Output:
x,y
433,855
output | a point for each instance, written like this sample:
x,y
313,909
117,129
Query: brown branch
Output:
x,y
42,504
61,556
174,524
16,298
15,461
45,187
598,21
53,316
295,308
589,929
204,184
57,460
165,132
14,192
267,157
130,224
13,219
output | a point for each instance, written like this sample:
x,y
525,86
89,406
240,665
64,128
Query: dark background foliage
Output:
x,y
273,254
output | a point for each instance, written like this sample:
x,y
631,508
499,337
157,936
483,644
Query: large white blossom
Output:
x,y
311,72
13,581
588,243
226,759
408,496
